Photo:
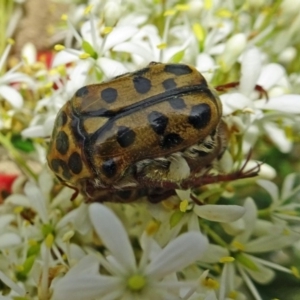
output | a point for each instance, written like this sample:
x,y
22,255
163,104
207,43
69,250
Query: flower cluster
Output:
x,y
220,241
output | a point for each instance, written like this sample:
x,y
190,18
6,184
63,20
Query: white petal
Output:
x,y
226,162
178,254
179,168
271,242
84,286
11,284
110,67
48,125
78,76
11,96
233,48
287,189
134,18
270,187
34,132
135,48
9,240
284,216
249,219
119,35
265,170
278,136
249,283
110,229
233,102
17,77
63,57
112,12
18,199
250,138
170,52
250,70
219,213
79,218
215,36
234,228
37,201
150,248
214,253
210,295
206,65
227,277
87,265
270,75
62,198
6,219
45,182
29,53
284,103
76,253
263,275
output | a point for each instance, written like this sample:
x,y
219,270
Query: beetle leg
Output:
x,y
193,181
224,87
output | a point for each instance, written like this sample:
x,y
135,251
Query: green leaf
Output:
x,y
47,229
28,264
20,143
176,58
33,250
175,218
88,48
245,261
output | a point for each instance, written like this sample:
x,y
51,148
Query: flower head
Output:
x,y
152,277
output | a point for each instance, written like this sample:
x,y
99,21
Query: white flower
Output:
x,y
281,208
148,279
260,117
46,229
245,248
8,92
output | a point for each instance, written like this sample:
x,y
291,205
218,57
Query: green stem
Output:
x,y
6,9
214,236
264,213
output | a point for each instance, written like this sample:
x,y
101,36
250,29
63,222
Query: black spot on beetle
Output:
x,y
200,115
57,164
82,92
158,122
171,140
125,136
178,69
177,103
109,168
109,95
62,142
141,84
62,119
75,163
169,84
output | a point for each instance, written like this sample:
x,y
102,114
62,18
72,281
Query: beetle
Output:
x,y
144,133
